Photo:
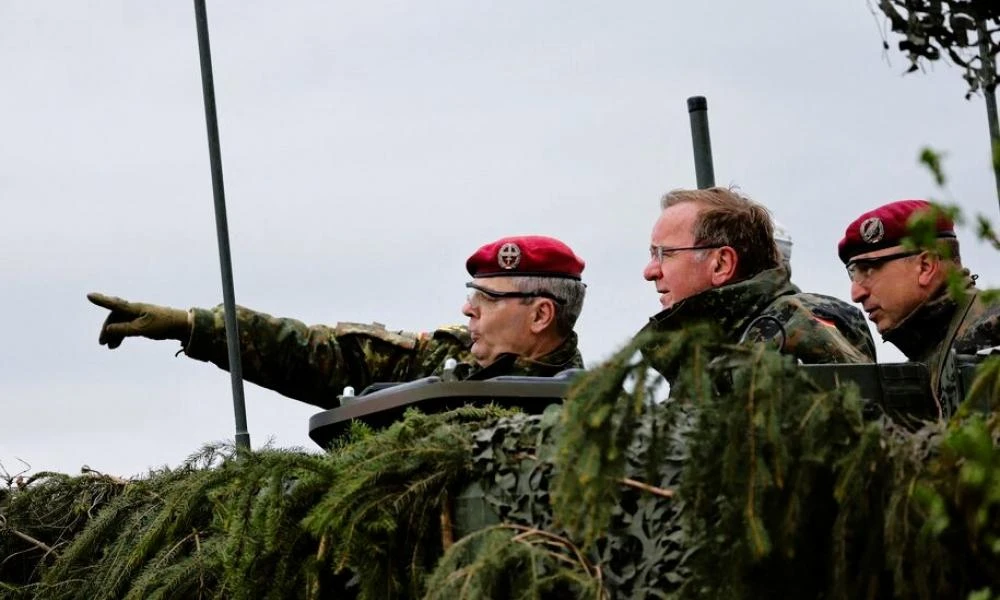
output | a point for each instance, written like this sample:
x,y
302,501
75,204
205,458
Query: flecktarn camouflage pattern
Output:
x,y
314,363
955,321
768,307
641,555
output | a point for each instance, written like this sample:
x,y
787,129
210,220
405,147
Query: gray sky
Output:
x,y
369,147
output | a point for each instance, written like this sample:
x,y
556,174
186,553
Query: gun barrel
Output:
x,y
702,141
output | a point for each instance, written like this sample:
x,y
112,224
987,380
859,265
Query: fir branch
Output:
x,y
645,487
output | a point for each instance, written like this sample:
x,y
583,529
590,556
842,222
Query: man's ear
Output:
x,y
724,265
930,269
543,315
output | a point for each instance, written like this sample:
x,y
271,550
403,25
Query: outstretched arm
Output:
x,y
307,363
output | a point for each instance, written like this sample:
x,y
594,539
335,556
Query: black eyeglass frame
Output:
x,y
503,295
658,253
875,262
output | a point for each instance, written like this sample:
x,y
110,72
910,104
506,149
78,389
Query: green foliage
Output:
x,y
42,513
957,29
965,31
932,161
923,235
787,491
958,501
601,421
510,561
199,531
264,524
765,496
748,482
383,516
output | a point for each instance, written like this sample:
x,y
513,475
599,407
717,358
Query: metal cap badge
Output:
x,y
872,230
509,256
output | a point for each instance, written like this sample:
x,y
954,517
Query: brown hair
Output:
x,y
728,218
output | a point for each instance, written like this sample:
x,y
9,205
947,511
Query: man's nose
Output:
x,y
858,292
468,310
652,272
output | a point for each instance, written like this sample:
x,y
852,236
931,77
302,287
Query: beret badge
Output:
x,y
509,256
872,230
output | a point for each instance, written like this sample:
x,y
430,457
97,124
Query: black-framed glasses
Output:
x,y
658,253
481,294
861,269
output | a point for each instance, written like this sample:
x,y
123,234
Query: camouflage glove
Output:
x,y
129,319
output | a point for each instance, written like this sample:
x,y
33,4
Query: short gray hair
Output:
x,y
570,291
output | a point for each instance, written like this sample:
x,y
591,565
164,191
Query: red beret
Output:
x,y
525,255
885,227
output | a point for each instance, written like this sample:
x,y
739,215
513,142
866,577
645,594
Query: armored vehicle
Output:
x,y
900,390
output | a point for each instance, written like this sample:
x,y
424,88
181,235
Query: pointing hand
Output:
x,y
128,319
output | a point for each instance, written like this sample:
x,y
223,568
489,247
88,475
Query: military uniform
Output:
x,y
768,307
941,325
313,364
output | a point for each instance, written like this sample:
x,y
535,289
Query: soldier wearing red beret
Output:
x,y
904,290
524,300
713,258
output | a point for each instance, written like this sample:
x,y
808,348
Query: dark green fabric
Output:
x,y
768,307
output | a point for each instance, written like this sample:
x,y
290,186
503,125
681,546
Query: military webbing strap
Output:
x,y
942,358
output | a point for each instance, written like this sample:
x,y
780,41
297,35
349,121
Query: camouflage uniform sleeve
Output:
x,y
816,339
314,363
981,330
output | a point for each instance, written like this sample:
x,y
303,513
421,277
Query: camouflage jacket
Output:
x,y
943,324
314,363
768,307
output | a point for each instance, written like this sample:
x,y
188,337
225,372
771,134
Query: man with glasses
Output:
x,y
904,291
524,300
713,258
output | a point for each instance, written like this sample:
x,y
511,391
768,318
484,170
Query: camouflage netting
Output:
x,y
751,482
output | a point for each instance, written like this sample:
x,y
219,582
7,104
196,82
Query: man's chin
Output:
x,y
882,325
483,358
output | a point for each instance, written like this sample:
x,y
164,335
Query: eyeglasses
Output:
x,y
861,269
658,253
481,295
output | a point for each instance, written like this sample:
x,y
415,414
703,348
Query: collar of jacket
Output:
x,y
565,356
920,332
732,307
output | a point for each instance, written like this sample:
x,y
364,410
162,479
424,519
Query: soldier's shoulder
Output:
x,y
833,309
983,329
452,334
825,313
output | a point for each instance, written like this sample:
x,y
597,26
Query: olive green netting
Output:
x,y
789,491
749,482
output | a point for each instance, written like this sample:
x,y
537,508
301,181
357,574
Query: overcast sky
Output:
x,y
370,147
